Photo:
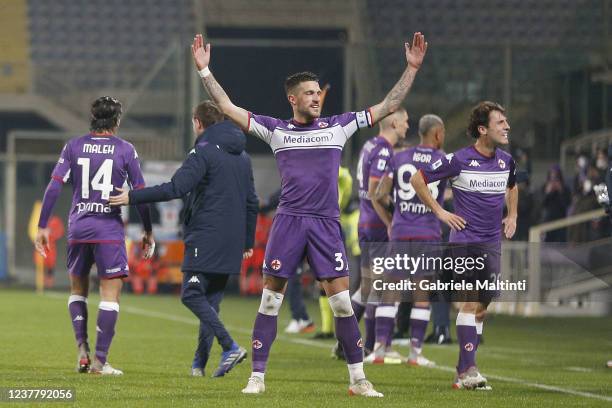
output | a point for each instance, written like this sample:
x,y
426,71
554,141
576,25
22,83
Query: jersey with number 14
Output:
x,y
95,165
411,218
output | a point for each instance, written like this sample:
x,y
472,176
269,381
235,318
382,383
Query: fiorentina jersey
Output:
x,y
95,165
373,159
479,186
308,158
411,218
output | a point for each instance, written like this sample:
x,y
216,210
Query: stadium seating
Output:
x,y
14,43
462,28
71,41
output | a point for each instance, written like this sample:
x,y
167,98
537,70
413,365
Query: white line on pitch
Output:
x,y
579,369
310,343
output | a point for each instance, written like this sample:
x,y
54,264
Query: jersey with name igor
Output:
x,y
375,155
308,157
479,186
412,219
95,165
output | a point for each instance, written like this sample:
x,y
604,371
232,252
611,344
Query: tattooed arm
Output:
x,y
395,97
201,57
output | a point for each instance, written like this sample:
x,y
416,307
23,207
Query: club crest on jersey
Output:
x,y
360,343
469,347
502,164
323,125
276,264
257,344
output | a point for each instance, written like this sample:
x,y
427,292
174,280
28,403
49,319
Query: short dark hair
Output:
x,y
480,116
208,113
105,114
294,80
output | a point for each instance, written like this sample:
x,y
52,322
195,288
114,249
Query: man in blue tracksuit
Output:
x,y
216,181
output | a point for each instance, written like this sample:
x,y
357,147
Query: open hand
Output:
x,y
455,222
42,241
121,199
148,245
200,52
509,226
416,52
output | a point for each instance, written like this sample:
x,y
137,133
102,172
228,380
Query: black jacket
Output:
x,y
221,205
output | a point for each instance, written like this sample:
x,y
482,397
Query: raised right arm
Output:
x,y
201,57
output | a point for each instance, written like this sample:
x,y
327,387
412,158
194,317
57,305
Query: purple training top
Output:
x,y
308,159
413,220
95,165
373,159
479,186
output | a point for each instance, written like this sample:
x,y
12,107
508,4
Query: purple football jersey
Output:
x,y
95,165
479,186
308,159
373,159
411,218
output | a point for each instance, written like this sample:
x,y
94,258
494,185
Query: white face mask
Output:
x,y
601,163
587,186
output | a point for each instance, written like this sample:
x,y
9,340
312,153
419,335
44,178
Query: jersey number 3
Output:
x,y
101,181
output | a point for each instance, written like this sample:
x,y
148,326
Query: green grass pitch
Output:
x,y
556,362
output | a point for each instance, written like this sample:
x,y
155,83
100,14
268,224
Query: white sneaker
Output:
x,y
306,326
106,369
420,361
374,358
254,386
365,388
393,357
470,380
293,327
197,372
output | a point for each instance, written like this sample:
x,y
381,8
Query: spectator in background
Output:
x,y
582,162
555,203
585,200
522,160
601,163
56,228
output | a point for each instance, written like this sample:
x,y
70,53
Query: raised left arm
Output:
x,y
395,97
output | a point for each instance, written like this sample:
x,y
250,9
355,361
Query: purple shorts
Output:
x,y
319,239
372,243
110,259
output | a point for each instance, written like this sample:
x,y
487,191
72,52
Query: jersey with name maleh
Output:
x,y
413,220
308,158
479,185
375,154
95,165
